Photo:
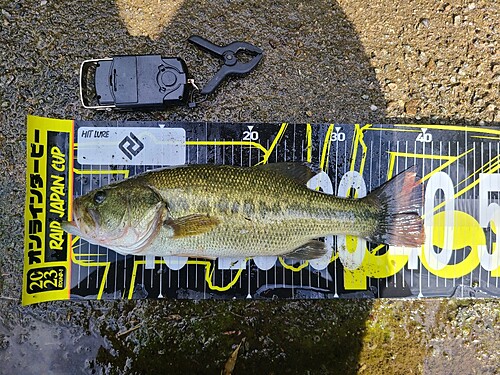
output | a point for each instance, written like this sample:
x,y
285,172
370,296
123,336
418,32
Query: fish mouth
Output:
x,y
71,227
87,224
78,227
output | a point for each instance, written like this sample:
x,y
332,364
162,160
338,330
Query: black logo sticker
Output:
x,y
131,146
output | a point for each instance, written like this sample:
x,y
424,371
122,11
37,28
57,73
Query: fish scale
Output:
x,y
274,215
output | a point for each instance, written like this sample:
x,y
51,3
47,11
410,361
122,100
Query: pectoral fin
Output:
x,y
191,225
311,250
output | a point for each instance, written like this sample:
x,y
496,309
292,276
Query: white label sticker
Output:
x,y
131,146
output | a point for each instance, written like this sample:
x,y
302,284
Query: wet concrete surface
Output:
x,y
344,62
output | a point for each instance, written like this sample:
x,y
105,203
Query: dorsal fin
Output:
x,y
300,172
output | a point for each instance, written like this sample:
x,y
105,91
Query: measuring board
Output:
x,y
458,165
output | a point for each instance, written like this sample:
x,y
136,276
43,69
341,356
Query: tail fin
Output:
x,y
399,200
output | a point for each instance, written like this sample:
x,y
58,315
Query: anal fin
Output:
x,y
311,250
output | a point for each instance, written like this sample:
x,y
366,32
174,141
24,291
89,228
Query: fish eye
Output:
x,y
99,197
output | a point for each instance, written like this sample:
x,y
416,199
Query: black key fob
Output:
x,y
147,82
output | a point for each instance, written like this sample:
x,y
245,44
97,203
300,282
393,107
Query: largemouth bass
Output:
x,y
215,211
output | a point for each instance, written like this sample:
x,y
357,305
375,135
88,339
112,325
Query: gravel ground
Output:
x,y
345,62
